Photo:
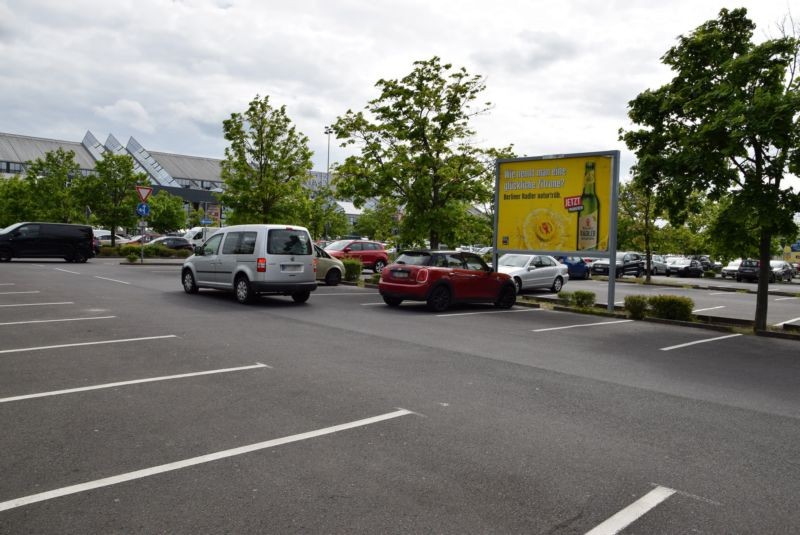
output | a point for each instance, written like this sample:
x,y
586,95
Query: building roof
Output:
x,y
349,208
192,167
22,149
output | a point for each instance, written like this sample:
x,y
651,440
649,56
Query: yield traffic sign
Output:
x,y
144,192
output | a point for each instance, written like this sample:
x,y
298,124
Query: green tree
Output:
x,y
51,182
265,166
417,149
322,217
637,217
379,223
111,192
166,212
17,201
726,124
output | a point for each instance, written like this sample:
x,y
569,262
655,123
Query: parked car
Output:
x,y
254,259
329,269
73,243
628,263
530,271
577,268
371,253
198,235
706,262
105,239
796,266
96,245
781,271
731,269
146,238
748,270
658,265
684,267
173,242
441,278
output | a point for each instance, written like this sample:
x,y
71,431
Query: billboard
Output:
x,y
557,204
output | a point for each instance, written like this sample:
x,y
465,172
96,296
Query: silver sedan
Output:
x,y
534,271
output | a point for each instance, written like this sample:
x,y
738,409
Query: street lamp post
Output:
x,y
328,131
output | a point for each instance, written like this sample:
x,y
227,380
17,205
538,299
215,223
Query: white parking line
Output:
x,y
581,325
15,293
67,271
112,280
147,472
670,348
721,293
705,309
354,292
526,309
784,298
781,324
633,512
38,304
55,321
21,350
133,382
6,284
371,304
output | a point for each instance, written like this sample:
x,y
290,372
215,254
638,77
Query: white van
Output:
x,y
197,235
254,259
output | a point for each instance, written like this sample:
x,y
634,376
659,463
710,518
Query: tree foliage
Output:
x,y
265,165
379,223
51,181
166,212
417,149
17,202
111,192
323,217
726,124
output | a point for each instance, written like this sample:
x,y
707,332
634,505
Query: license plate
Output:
x,y
400,274
294,268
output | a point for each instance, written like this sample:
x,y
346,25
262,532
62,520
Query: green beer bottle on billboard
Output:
x,y
589,216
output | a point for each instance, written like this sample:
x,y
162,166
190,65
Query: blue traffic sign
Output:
x,y
205,221
143,209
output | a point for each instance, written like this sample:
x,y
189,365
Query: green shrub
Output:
x,y
567,297
107,250
709,274
127,250
132,258
352,269
671,307
584,299
636,305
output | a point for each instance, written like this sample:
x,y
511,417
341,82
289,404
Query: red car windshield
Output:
x,y
414,259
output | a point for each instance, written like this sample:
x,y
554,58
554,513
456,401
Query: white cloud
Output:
x,y
127,112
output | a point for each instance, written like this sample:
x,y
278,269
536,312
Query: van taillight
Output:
x,y
315,265
261,265
422,275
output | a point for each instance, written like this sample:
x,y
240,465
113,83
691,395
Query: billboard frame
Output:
x,y
610,253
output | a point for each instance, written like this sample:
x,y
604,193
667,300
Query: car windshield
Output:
x,y
10,228
337,245
514,260
414,258
776,264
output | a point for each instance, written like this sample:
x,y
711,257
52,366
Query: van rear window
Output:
x,y
288,241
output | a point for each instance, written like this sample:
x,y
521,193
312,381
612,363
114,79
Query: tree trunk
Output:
x,y
764,271
434,237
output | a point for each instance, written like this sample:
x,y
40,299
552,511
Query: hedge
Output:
x,y
352,269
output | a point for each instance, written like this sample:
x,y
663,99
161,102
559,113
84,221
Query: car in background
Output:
x,y
329,269
731,269
146,238
628,263
658,265
577,268
371,253
796,267
441,278
96,245
73,243
530,271
173,242
684,267
781,271
748,270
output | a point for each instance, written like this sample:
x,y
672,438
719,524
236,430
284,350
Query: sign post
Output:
x,y
562,205
143,210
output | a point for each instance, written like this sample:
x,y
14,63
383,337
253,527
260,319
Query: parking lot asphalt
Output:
x,y
130,406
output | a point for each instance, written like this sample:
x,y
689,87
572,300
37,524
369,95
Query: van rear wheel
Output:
x,y
244,293
301,297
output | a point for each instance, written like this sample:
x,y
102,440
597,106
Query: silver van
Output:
x,y
254,259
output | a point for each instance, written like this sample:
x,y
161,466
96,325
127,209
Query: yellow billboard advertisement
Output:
x,y
559,204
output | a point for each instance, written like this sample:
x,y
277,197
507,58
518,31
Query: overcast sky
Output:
x,y
560,74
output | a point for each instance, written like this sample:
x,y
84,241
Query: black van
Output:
x,y
73,243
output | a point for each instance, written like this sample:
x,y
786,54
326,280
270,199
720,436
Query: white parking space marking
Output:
x,y
371,304
781,324
784,298
704,309
526,309
721,293
670,348
633,512
56,321
38,304
121,341
581,325
15,293
132,382
6,284
147,472
112,280
67,271
347,293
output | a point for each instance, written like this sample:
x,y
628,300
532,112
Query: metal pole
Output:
x,y
328,131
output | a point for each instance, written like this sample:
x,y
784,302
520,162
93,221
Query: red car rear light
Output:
x,y
261,265
315,264
422,275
